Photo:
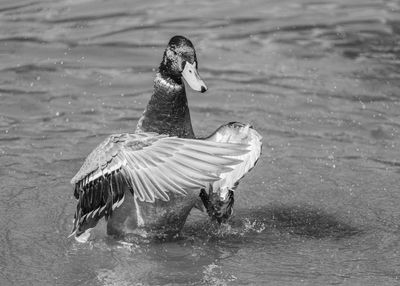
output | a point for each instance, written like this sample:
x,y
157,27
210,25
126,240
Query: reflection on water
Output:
x,y
318,79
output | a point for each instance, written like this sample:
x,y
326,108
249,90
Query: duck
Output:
x,y
146,183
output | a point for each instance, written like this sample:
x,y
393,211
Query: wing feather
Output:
x,y
169,185
139,160
161,152
180,179
157,187
147,187
147,161
193,173
139,190
212,160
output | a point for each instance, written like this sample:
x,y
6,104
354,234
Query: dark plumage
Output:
x,y
146,183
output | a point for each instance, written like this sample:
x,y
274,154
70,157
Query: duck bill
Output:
x,y
192,77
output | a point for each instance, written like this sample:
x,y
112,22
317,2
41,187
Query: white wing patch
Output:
x,y
237,133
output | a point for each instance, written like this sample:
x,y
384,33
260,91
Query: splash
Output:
x,y
213,275
253,226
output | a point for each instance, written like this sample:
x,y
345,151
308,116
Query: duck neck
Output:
x,y
167,111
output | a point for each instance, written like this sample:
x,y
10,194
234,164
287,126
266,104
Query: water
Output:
x,y
318,79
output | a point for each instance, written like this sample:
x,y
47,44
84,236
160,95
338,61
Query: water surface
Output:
x,y
318,79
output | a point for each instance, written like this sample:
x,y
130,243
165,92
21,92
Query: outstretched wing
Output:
x,y
150,166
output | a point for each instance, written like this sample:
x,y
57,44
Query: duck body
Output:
x,y
146,183
161,219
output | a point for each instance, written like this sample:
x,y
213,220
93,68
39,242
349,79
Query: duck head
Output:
x,y
179,61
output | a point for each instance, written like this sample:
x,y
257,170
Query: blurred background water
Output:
x,y
318,79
